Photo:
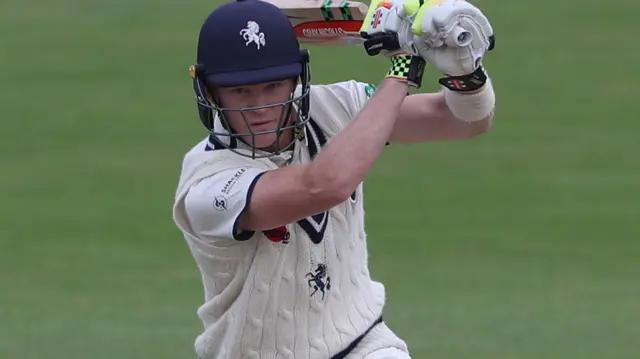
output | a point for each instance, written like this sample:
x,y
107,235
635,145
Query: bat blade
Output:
x,y
325,22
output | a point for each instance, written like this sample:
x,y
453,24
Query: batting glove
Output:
x,y
387,31
454,36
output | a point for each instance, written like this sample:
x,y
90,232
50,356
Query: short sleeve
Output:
x,y
352,94
214,205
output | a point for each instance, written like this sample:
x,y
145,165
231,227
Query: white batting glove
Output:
x,y
388,25
452,35
387,31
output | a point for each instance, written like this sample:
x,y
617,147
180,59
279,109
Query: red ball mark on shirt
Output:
x,y
277,235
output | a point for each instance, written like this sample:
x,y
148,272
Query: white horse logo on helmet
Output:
x,y
252,34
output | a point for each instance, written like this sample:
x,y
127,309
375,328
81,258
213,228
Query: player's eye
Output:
x,y
240,90
274,85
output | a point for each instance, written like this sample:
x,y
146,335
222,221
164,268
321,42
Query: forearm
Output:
x,y
304,189
430,117
350,155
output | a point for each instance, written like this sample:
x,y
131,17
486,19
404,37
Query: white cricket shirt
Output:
x,y
305,296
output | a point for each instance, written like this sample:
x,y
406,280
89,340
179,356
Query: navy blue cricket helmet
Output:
x,y
249,42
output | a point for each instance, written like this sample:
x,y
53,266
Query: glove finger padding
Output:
x,y
454,36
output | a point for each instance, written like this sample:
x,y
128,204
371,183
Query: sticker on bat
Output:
x,y
329,29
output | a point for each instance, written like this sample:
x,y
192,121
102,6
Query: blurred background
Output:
x,y
520,244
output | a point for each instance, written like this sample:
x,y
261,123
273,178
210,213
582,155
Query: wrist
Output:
x,y
407,68
469,83
472,92
471,106
395,83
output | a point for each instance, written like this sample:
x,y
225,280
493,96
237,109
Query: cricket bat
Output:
x,y
325,22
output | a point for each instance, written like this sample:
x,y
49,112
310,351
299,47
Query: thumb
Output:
x,y
423,22
409,8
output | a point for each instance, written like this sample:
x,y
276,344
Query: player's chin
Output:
x,y
263,141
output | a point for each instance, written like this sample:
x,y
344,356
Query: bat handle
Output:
x,y
458,37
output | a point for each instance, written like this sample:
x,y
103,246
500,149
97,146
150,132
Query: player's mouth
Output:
x,y
261,123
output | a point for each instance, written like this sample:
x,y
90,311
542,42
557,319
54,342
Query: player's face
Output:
x,y
262,119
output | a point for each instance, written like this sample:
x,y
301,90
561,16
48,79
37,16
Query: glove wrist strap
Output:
x,y
407,68
374,45
471,82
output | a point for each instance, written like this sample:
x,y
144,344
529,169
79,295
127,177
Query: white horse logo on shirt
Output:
x,y
252,34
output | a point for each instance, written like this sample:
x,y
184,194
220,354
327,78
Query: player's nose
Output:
x,y
260,111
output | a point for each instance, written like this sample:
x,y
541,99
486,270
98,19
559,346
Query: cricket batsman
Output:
x,y
271,201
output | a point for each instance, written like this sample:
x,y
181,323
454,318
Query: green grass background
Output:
x,y
520,244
